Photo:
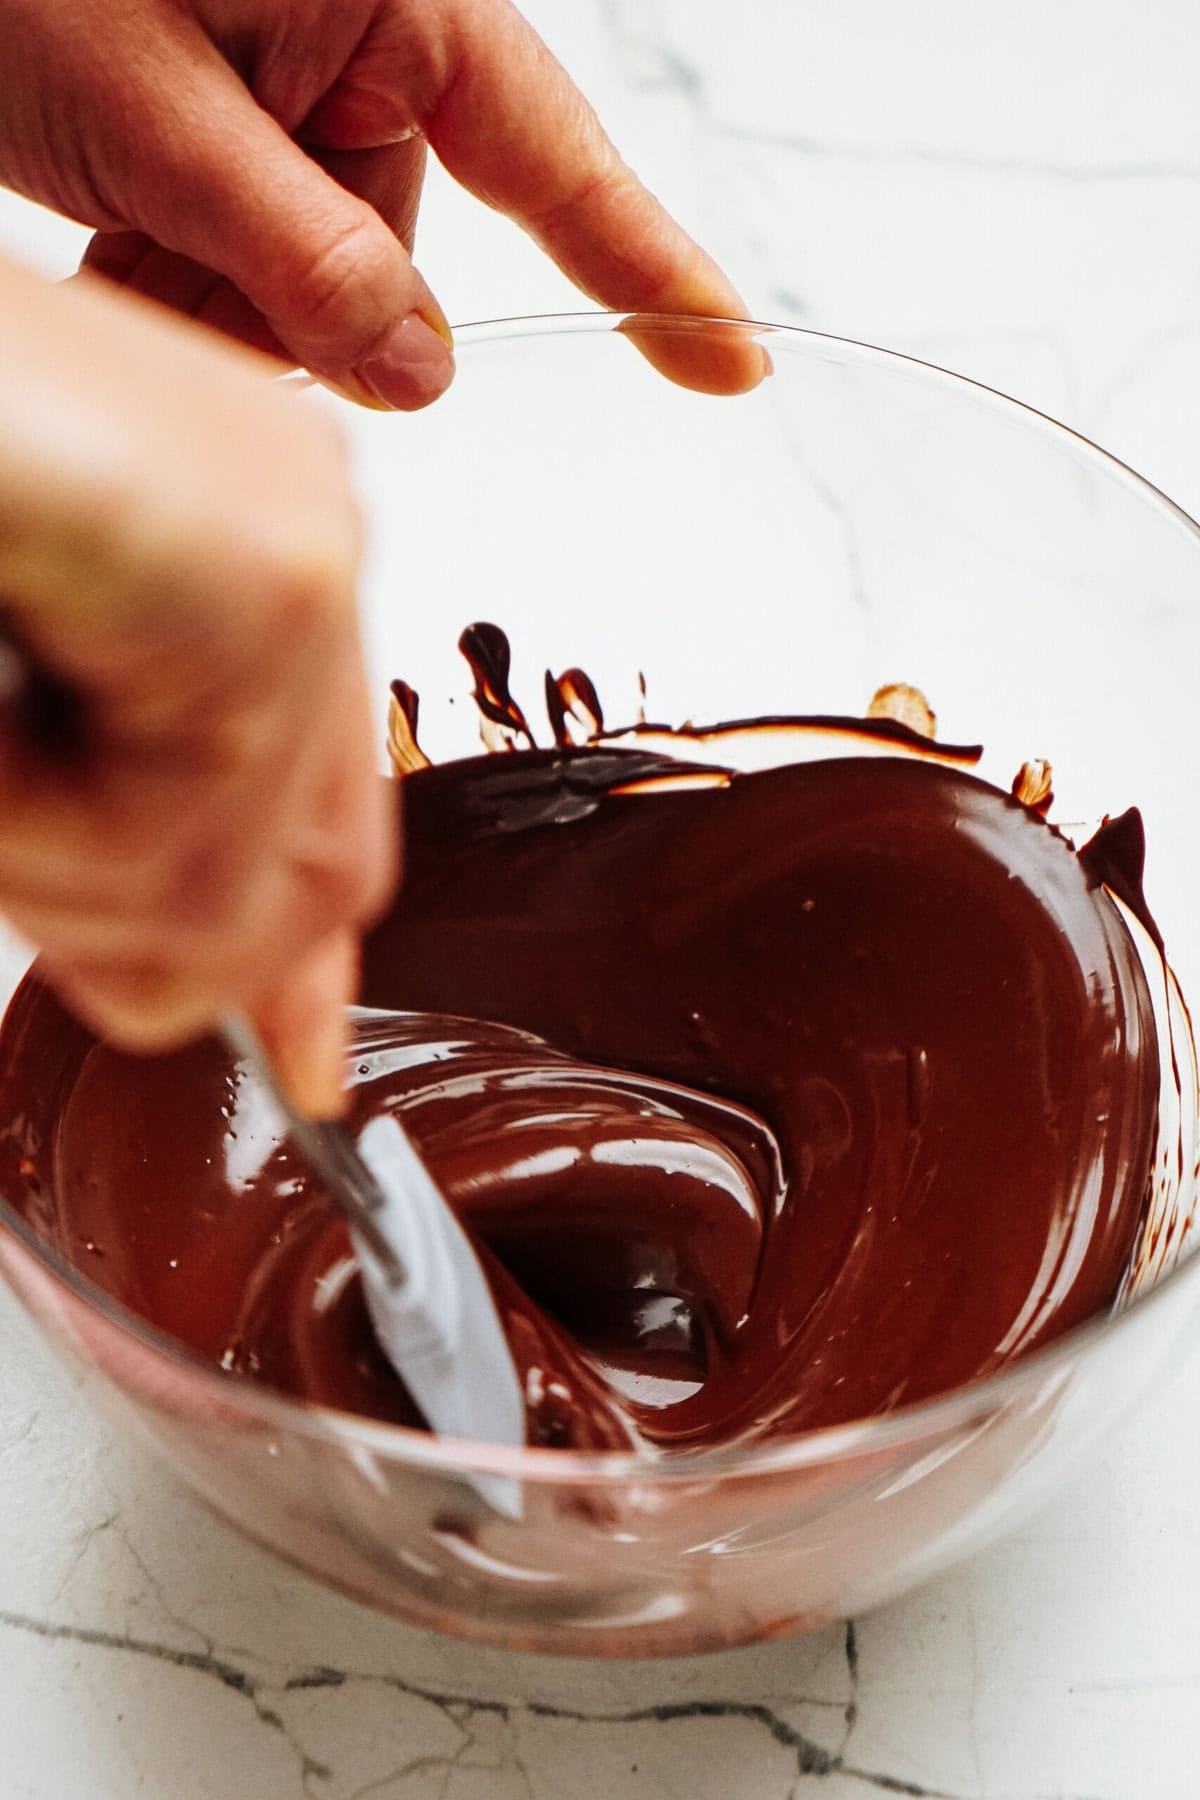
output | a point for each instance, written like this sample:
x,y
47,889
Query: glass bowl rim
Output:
x,y
922,1419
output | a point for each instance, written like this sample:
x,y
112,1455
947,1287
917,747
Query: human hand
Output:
x,y
197,823
257,164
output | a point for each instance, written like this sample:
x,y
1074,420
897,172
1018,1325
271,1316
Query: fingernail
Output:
x,y
435,318
412,367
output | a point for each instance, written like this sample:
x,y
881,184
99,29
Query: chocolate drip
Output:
x,y
1033,785
571,698
905,704
487,652
404,752
1116,856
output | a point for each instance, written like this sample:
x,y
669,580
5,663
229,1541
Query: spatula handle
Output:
x,y
328,1149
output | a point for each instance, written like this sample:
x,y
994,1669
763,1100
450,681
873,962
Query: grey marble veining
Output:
x,y
148,1650
1016,193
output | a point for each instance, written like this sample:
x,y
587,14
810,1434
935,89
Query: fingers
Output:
x,y
388,180
301,1024
312,255
278,942
152,964
139,265
321,277
223,186
513,128
148,474
178,549
254,884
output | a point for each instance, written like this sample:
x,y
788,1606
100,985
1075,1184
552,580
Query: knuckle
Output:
x,y
332,895
144,1004
311,602
199,898
307,596
334,291
355,878
598,189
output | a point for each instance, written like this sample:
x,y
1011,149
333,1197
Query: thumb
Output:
x,y
221,182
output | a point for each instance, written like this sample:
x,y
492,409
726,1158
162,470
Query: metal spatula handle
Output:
x,y
328,1149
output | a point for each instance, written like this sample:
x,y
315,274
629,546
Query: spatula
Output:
x,y
428,1298
427,1295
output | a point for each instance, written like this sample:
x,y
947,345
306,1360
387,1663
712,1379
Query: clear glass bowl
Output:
x,y
859,519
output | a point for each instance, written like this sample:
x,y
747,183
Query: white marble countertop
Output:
x,y
1014,192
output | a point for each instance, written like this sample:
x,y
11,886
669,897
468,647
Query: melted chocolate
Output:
x,y
774,1099
573,707
486,649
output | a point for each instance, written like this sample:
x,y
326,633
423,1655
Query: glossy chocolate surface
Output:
x,y
797,1096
